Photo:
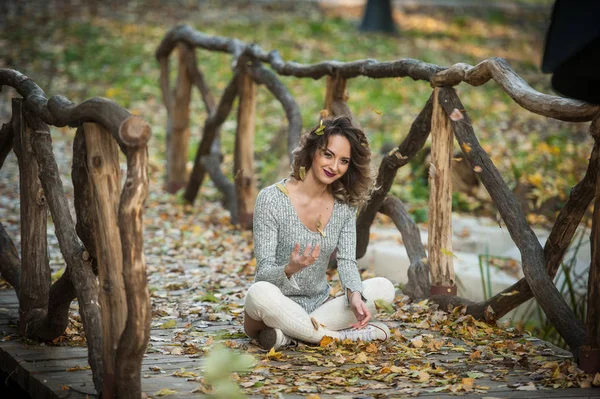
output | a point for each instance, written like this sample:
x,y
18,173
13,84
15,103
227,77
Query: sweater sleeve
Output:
x,y
346,255
265,228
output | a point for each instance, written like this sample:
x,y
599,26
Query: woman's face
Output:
x,y
332,162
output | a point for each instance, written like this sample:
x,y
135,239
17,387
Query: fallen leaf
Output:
x,y
466,147
165,392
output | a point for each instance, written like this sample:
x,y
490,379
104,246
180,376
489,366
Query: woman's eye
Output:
x,y
345,162
327,155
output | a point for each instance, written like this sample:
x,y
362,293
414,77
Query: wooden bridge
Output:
x,y
46,371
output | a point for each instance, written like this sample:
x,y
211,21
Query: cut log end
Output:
x,y
135,132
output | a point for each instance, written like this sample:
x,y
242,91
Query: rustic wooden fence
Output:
x,y
105,266
444,117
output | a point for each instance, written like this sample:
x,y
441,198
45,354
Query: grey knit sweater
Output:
x,y
277,228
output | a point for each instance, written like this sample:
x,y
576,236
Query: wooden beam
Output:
x,y
105,179
440,203
35,270
244,150
178,132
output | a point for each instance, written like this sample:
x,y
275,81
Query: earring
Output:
x,y
302,172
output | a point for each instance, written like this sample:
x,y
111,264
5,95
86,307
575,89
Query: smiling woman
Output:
x,y
298,223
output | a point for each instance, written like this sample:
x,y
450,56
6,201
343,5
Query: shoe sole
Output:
x,y
387,334
267,338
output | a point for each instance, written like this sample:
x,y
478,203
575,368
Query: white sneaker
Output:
x,y
273,338
375,330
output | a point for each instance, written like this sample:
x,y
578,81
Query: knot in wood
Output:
x,y
41,198
97,161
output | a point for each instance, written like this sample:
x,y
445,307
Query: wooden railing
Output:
x,y
444,116
106,239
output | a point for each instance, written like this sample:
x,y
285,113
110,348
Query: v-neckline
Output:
x,y
284,190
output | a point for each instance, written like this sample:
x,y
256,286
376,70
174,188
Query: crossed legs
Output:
x,y
266,306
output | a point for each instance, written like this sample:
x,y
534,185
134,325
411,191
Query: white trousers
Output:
x,y
265,302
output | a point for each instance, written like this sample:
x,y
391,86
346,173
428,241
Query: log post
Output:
x,y
105,178
440,203
244,150
134,340
35,271
336,97
178,132
589,354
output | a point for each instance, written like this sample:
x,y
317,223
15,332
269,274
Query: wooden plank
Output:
x,y
245,181
440,199
105,180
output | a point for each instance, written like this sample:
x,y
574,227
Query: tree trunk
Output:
x,y
336,98
134,339
178,133
378,17
105,180
35,271
441,264
244,150
418,272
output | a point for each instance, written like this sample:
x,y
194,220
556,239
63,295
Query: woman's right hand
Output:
x,y
301,261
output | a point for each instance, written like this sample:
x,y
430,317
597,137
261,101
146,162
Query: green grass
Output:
x,y
112,55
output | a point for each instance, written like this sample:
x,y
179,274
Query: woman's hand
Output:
x,y
360,310
301,261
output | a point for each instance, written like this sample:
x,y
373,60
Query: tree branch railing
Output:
x,y
106,239
539,264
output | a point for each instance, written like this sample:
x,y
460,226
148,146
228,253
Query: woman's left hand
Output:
x,y
359,308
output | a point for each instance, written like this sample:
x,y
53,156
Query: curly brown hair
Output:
x,y
355,186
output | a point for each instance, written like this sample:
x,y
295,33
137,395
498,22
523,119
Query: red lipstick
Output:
x,y
328,174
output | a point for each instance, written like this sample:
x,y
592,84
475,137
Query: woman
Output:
x,y
298,223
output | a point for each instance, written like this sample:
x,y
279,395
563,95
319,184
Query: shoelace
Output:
x,y
365,334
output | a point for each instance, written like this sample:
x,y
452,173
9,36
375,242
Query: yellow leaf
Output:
x,y
168,324
467,384
273,355
313,396
320,129
282,188
417,341
65,388
361,358
447,253
466,147
165,392
378,112
302,172
535,179
326,340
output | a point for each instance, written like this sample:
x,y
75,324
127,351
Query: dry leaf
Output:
x,y
477,169
378,112
466,147
513,292
326,340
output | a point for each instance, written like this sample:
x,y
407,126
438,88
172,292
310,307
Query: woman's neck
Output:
x,y
311,187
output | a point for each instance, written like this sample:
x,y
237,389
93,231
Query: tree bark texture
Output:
x,y
418,283
245,184
441,266
78,268
492,68
105,179
35,270
336,98
211,129
134,339
532,254
178,132
398,157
